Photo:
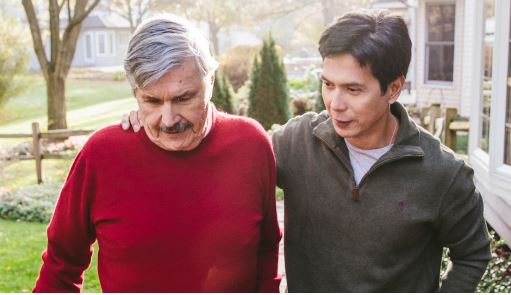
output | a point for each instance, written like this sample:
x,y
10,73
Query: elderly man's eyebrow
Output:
x,y
186,94
148,96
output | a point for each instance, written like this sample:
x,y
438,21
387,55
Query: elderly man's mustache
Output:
x,y
176,128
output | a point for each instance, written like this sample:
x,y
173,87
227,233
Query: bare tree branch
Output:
x,y
68,10
35,31
140,10
79,17
276,12
301,21
54,32
61,5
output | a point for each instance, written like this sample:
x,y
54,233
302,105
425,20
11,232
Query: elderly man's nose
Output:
x,y
169,116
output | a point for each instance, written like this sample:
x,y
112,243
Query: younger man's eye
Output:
x,y
327,84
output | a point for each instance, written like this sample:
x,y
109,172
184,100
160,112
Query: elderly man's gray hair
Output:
x,y
161,44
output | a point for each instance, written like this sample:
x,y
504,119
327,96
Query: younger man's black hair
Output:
x,y
378,40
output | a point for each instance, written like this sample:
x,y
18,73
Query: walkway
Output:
x,y
282,271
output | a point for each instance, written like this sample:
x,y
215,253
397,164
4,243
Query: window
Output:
x,y
111,43
101,44
489,37
507,128
106,43
88,47
440,42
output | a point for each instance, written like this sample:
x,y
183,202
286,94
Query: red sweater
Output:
x,y
197,221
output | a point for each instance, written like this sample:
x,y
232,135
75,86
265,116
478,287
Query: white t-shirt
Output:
x,y
362,160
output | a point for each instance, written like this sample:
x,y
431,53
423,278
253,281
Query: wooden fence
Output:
x,y
37,153
443,125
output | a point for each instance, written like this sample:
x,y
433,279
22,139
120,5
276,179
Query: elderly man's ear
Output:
x,y
131,120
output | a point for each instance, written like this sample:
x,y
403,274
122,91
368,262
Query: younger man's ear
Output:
x,y
394,88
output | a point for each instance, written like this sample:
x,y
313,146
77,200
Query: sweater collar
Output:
x,y
407,141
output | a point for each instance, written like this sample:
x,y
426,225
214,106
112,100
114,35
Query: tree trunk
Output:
x,y
62,50
56,87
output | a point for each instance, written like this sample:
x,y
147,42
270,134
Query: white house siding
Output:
x,y
497,207
79,59
469,58
446,95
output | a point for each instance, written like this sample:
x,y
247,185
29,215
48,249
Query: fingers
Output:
x,y
125,123
133,120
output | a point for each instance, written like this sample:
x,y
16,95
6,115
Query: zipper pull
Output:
x,y
355,195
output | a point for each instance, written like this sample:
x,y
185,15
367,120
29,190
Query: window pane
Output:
x,y
88,46
489,30
441,62
441,22
101,43
111,43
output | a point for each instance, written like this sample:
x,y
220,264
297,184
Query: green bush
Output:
x,y
119,76
222,94
300,105
279,194
32,203
307,84
268,95
320,105
497,278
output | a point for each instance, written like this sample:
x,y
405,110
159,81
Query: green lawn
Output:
x,y
22,173
91,104
21,246
31,103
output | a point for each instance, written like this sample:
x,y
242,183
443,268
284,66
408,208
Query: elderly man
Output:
x,y
371,199
188,205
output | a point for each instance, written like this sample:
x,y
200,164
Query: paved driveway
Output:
x,y
282,271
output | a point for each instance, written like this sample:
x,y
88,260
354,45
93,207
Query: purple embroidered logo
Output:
x,y
401,205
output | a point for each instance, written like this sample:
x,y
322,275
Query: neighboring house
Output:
x,y
462,50
442,70
103,42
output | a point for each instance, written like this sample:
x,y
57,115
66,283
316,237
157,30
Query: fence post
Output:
x,y
450,135
423,114
36,136
434,112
